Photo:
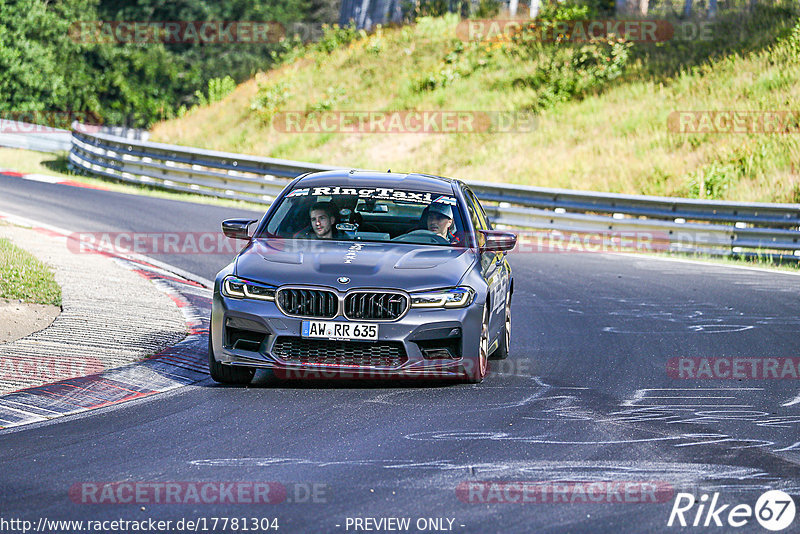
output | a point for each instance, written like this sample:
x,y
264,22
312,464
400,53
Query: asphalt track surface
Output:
x,y
585,396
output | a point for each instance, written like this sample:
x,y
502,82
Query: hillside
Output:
x,y
601,109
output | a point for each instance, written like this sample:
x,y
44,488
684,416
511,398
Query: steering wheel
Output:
x,y
422,236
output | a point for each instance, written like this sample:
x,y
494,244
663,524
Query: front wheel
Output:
x,y
227,374
477,372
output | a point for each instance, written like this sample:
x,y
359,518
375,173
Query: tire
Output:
x,y
227,374
504,344
477,371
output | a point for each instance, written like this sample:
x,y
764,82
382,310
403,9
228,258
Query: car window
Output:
x,y
482,212
367,214
476,213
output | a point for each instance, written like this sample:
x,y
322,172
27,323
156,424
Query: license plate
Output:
x,y
340,330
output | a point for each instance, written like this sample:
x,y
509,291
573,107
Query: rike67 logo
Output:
x,y
774,510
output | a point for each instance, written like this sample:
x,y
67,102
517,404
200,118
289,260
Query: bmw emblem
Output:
x,y
343,280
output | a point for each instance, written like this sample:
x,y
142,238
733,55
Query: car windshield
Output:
x,y
367,214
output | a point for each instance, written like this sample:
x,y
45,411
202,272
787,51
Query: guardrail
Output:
x,y
15,134
44,138
714,227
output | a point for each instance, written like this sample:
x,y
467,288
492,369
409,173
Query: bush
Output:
x,y
335,36
791,44
487,9
218,88
574,72
712,182
333,96
560,71
415,9
567,10
270,99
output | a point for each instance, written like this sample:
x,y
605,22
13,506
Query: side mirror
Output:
x,y
237,228
497,241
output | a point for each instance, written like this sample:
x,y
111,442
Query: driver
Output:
x,y
323,220
439,220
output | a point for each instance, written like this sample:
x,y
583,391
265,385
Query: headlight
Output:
x,y
245,289
455,297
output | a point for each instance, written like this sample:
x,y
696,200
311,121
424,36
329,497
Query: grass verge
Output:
x,y
24,277
760,261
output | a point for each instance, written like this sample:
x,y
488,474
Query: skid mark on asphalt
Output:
x,y
655,417
702,406
569,418
734,409
700,328
525,438
446,474
793,401
174,367
561,414
656,395
650,421
481,397
560,470
677,316
563,410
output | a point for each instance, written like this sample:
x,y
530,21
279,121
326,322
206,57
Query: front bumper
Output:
x,y
418,331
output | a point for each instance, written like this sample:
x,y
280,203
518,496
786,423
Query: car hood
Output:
x,y
396,265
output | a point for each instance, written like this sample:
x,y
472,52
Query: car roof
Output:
x,y
356,179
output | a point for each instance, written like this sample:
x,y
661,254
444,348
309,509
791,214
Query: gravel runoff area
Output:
x,y
111,316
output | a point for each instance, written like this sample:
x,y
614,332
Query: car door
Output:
x,y
494,268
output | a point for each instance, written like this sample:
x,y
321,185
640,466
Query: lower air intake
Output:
x,y
348,353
